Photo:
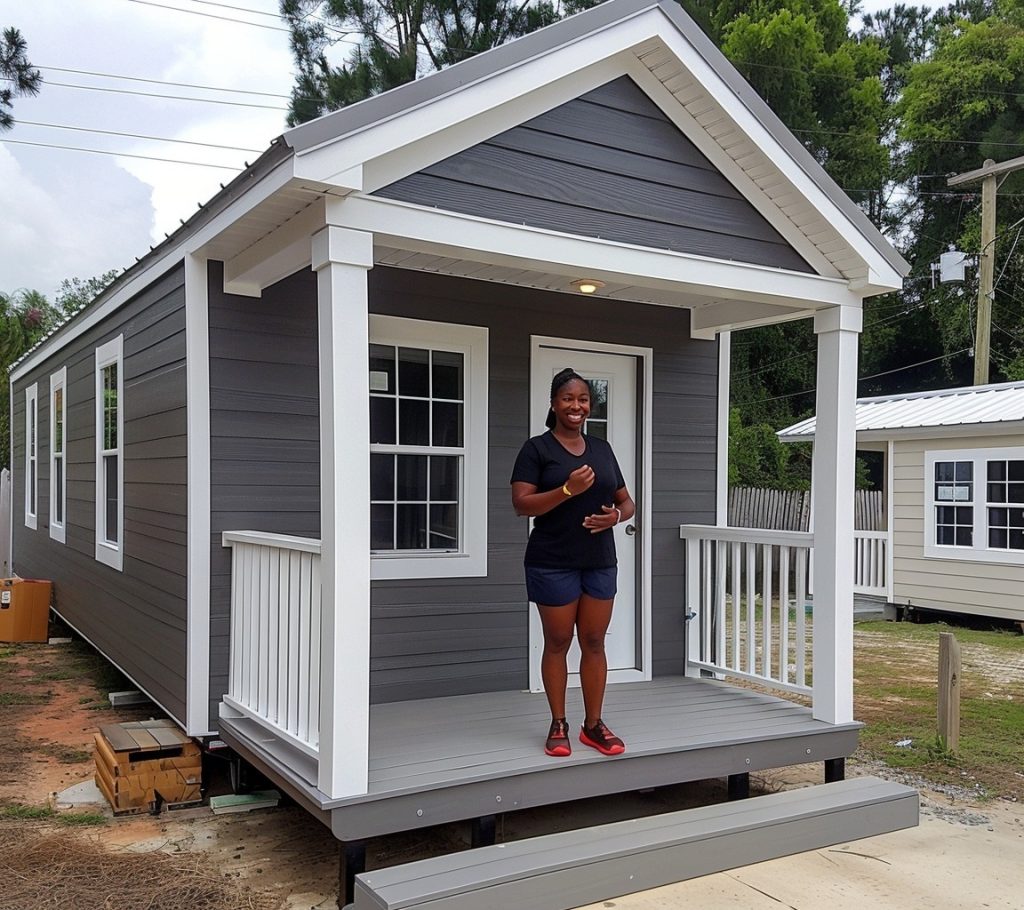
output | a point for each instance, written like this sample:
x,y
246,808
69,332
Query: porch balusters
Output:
x,y
747,590
274,661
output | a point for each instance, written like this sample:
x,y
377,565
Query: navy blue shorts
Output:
x,y
557,587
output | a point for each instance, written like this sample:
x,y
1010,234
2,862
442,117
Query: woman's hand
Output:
x,y
580,480
608,518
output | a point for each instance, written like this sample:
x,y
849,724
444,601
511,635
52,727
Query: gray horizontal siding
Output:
x,y
609,164
136,617
435,637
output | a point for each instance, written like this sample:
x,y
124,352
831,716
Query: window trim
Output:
x,y
108,553
58,529
980,550
32,456
472,343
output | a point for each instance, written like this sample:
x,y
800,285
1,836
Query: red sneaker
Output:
x,y
558,739
601,738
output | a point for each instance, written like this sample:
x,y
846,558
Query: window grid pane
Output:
x,y
417,403
58,421
110,407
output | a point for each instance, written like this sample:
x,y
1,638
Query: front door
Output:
x,y
613,416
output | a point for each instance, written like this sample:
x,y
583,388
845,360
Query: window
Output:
x,y
974,505
110,454
58,476
428,449
31,454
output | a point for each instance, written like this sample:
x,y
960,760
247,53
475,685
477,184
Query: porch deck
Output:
x,y
446,759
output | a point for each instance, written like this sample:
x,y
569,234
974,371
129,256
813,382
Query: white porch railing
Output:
x,y
870,563
747,596
274,663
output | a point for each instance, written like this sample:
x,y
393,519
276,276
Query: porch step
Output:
x,y
576,868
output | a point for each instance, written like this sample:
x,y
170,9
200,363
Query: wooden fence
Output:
x,y
790,510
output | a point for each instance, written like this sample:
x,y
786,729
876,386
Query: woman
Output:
x,y
570,483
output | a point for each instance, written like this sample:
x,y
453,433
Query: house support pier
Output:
x,y
835,443
341,259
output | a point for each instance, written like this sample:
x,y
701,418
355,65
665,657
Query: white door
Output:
x,y
613,416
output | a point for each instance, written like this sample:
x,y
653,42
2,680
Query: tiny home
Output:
x,y
954,489
268,470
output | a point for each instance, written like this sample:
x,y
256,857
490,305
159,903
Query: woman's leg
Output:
x,y
558,624
592,619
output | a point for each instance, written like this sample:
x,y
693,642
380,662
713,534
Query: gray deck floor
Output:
x,y
444,759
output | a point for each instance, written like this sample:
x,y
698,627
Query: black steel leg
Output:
x,y
739,786
835,769
482,831
351,861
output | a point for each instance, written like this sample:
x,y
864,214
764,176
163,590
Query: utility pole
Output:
x,y
988,175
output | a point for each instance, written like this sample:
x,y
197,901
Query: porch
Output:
x,y
471,756
437,760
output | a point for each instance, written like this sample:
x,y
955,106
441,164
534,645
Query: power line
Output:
x,y
195,12
210,88
83,129
127,91
72,148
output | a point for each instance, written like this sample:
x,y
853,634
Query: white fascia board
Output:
x,y
959,431
278,178
573,63
707,321
414,227
277,255
883,274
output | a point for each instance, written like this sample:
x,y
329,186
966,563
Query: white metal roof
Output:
x,y
888,415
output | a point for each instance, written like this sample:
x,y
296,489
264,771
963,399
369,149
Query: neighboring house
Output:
x,y
268,470
954,486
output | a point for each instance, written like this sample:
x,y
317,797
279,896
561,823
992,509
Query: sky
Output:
x,y
67,214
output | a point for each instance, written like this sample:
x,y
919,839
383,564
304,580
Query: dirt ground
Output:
x,y
52,700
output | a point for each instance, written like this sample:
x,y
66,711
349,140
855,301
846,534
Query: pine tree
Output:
x,y
17,77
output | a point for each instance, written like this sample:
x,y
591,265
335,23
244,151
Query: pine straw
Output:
x,y
42,868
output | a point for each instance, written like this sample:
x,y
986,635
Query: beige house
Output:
x,y
954,484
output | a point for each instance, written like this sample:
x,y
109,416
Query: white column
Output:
x,y
835,441
341,259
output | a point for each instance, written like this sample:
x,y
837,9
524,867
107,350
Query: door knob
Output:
x,y
630,530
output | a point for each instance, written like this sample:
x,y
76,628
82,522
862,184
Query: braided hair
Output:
x,y
562,378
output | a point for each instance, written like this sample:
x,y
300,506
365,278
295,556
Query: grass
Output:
x,y
10,699
19,812
67,755
895,694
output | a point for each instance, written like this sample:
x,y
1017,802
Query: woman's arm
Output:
x,y
528,503
623,510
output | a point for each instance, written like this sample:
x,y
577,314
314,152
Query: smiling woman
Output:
x,y
571,484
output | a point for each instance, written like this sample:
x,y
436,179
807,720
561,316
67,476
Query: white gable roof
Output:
x,y
986,407
369,144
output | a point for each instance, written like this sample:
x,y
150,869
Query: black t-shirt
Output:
x,y
558,539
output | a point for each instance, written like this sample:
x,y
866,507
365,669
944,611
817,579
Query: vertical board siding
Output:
x,y
136,617
609,164
436,637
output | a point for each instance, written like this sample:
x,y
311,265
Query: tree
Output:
x,y
75,294
392,41
25,317
17,75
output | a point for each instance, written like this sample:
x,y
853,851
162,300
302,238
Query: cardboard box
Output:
x,y
24,609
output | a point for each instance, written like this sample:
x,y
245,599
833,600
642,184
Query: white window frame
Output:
x,y
32,456
59,381
471,342
980,551
110,554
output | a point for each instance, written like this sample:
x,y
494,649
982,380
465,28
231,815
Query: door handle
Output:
x,y
630,530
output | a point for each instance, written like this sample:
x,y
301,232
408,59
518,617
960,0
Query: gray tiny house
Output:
x,y
273,487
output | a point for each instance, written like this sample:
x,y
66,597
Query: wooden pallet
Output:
x,y
144,764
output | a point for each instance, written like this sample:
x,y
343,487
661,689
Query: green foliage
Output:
x,y
76,294
395,41
17,76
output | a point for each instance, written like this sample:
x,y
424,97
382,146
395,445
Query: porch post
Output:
x,y
835,437
341,259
